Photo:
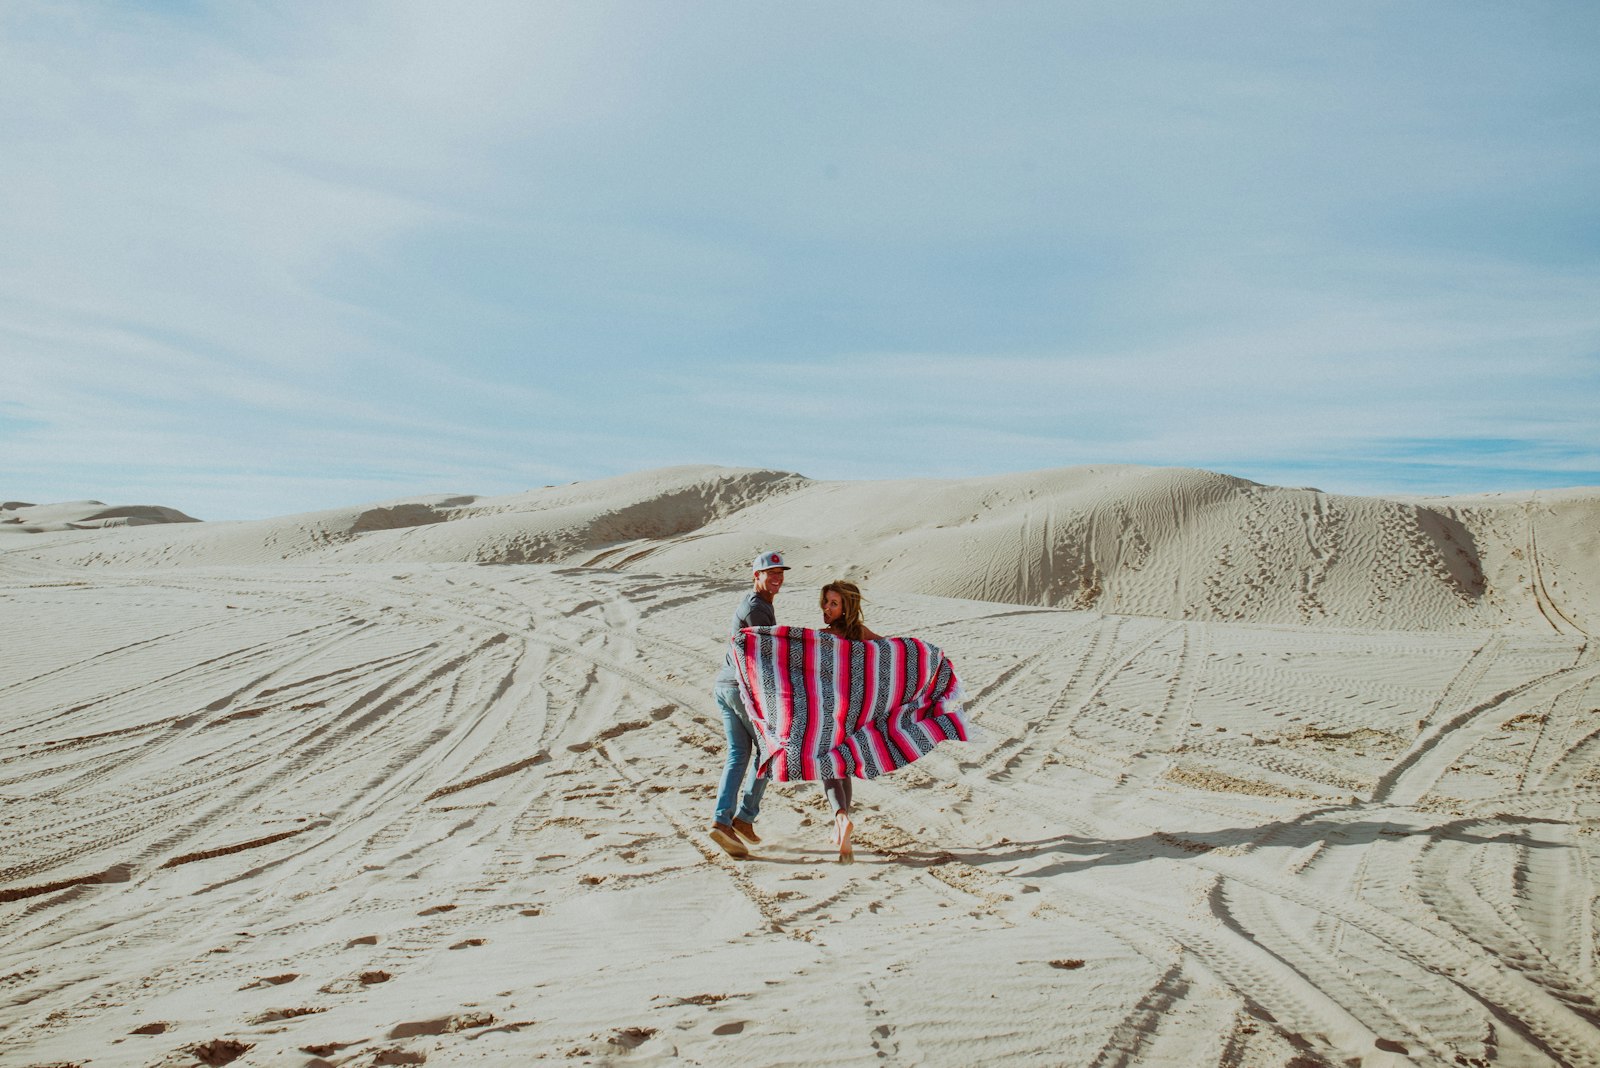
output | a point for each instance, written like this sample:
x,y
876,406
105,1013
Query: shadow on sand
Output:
x,y
1322,826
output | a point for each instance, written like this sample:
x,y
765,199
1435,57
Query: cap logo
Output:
x,y
777,559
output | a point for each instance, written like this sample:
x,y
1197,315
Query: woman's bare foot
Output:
x,y
841,837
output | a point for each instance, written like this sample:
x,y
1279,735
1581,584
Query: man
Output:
x,y
730,829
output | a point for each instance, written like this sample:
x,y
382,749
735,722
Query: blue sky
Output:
x,y
264,258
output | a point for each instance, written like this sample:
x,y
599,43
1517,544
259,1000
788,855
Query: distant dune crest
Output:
x,y
20,517
1172,543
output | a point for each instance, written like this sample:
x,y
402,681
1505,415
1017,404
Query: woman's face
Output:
x,y
832,607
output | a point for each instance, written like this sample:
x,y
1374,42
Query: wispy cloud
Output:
x,y
257,256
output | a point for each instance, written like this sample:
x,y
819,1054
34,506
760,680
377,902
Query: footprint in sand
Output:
x,y
631,1037
400,1056
274,1015
220,1051
444,1025
349,984
272,980
327,1049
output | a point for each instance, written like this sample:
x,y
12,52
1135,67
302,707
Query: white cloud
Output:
x,y
360,243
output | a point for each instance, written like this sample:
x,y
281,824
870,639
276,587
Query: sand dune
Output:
x,y
314,791
1172,543
19,517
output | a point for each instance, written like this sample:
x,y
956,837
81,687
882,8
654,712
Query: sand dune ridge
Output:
x,y
1173,543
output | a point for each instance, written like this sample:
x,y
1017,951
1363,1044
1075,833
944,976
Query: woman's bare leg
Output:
x,y
838,793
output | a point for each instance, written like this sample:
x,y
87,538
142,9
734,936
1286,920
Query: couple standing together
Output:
x,y
841,616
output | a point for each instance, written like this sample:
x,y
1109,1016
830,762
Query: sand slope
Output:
x,y
314,791
375,815
1172,543
19,517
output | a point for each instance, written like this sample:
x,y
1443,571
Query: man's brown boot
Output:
x,y
725,837
746,830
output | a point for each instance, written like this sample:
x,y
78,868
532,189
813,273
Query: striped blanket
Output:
x,y
821,707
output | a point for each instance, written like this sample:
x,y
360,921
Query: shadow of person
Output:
x,y
1065,853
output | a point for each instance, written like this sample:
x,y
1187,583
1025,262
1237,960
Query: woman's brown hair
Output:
x,y
850,622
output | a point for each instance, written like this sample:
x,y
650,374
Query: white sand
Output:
x,y
20,517
1267,777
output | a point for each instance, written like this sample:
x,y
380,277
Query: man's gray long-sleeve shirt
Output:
x,y
753,611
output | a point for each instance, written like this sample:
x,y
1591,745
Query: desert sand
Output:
x,y
1265,777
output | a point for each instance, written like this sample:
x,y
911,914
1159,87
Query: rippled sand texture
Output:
x,y
312,811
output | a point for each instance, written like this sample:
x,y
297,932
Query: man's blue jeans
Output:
x,y
740,747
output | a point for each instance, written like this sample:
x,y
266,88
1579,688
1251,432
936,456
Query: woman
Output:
x,y
841,613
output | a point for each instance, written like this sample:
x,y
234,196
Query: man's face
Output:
x,y
769,582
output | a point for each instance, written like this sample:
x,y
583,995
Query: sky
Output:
x,y
267,258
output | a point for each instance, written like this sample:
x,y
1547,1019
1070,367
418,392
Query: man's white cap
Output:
x,y
770,561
